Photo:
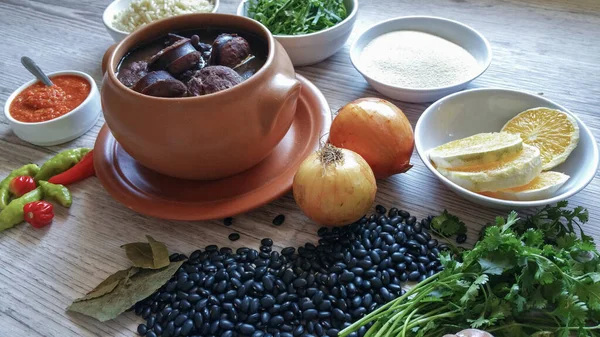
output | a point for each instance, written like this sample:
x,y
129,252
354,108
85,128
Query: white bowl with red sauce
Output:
x,y
68,120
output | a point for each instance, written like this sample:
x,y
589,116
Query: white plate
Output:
x,y
487,110
453,31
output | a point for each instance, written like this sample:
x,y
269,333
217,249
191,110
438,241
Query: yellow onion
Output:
x,y
334,186
378,131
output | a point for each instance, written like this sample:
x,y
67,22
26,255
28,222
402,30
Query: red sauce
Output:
x,y
39,103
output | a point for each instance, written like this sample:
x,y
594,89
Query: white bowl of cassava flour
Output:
x,y
420,58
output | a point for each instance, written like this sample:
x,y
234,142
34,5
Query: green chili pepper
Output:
x,y
29,170
60,163
56,192
13,213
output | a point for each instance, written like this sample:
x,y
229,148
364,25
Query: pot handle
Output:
x,y
106,58
284,89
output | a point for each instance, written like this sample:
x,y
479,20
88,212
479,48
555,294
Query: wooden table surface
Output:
x,y
541,46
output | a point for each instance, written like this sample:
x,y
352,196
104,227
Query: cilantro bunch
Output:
x,y
295,17
512,283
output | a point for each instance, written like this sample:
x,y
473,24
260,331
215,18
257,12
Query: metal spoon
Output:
x,y
35,70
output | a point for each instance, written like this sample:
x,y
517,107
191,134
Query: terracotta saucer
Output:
x,y
151,193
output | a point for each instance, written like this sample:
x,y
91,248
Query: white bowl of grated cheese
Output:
x,y
420,58
122,17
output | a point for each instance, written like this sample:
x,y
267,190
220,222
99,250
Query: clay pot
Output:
x,y
206,137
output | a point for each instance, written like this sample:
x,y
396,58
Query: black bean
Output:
x,y
420,238
414,276
276,321
228,221
380,209
310,314
461,238
338,314
246,329
266,242
432,243
288,251
267,301
333,332
346,276
142,329
234,236
169,329
300,283
187,327
180,319
278,220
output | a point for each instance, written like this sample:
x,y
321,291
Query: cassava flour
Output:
x,y
412,59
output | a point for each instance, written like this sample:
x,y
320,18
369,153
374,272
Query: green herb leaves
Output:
x,y
126,288
152,255
295,17
447,225
121,290
524,277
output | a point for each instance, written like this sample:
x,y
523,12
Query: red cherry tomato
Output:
x,y
38,213
21,185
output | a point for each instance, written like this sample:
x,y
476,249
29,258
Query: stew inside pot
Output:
x,y
192,63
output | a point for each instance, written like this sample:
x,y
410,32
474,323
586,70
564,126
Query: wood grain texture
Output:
x,y
546,46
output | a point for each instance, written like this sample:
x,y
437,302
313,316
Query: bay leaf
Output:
x,y
127,292
111,282
160,253
149,255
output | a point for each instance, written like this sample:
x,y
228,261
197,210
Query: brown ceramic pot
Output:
x,y
206,137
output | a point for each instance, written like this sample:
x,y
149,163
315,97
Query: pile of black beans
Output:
x,y
312,291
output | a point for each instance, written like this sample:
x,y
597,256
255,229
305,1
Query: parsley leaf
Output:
x,y
447,225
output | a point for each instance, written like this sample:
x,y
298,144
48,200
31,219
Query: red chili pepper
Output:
x,y
81,170
21,185
38,213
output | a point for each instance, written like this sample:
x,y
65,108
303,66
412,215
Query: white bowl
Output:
x,y
313,48
453,31
62,129
487,110
119,5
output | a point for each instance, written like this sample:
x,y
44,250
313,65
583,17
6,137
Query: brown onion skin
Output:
x,y
378,131
338,194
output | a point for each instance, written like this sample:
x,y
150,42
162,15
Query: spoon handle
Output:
x,y
35,70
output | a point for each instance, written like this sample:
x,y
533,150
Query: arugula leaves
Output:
x,y
295,17
524,277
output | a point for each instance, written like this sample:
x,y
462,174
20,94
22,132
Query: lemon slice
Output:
x,y
552,131
498,175
478,149
542,187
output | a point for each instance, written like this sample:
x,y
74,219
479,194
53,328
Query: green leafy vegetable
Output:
x,y
447,225
122,290
152,255
523,278
295,17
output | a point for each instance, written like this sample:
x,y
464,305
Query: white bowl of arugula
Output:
x,y
310,31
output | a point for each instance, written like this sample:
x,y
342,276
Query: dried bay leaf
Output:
x,y
160,253
108,285
130,289
150,255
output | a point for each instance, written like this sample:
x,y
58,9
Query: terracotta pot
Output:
x,y
206,137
